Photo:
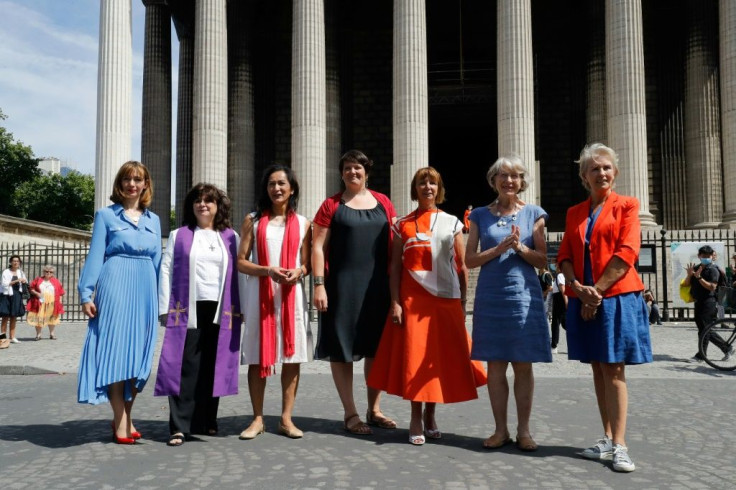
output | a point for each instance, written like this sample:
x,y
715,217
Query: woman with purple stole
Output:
x,y
200,304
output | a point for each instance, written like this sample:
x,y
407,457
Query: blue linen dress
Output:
x,y
619,332
121,270
508,315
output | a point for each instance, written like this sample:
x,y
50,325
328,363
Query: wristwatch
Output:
x,y
570,282
319,280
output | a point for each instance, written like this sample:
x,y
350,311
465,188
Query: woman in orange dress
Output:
x,y
424,354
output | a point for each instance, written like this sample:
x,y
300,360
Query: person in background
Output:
x,y
507,242
275,253
121,272
607,319
559,309
199,303
11,300
351,289
466,221
45,308
703,280
654,316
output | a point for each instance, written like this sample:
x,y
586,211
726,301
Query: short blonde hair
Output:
x,y
509,162
591,153
129,168
432,175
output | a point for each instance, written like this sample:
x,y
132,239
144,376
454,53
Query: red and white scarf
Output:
x,y
289,250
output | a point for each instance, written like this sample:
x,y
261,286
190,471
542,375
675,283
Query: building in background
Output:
x,y
450,83
50,165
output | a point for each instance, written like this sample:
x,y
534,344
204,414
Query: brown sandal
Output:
x,y
379,420
496,441
359,429
526,443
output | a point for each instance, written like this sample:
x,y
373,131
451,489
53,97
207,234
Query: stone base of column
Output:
x,y
647,220
706,225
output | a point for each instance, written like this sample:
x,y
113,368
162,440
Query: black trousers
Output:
x,y
194,411
558,317
706,312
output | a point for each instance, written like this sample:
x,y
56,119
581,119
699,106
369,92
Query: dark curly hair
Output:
x,y
263,202
210,193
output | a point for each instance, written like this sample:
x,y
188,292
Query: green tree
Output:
x,y
17,165
65,201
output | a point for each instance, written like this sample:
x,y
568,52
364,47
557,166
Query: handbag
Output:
x,y
25,293
685,292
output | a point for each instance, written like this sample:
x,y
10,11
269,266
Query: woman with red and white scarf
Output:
x,y
275,251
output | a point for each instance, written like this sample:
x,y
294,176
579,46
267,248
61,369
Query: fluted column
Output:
x,y
334,119
209,153
727,36
184,120
156,107
308,119
410,100
516,87
241,123
625,97
114,95
702,118
595,110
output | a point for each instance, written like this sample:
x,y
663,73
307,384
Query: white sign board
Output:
x,y
684,253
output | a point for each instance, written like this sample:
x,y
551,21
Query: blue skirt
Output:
x,y
618,333
122,337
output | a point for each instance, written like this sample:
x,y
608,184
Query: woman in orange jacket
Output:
x,y
607,318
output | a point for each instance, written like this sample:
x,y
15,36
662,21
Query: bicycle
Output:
x,y
716,345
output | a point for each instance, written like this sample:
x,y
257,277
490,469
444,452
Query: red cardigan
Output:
x,y
616,233
34,304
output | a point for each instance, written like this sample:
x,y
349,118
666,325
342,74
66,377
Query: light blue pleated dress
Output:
x,y
508,315
121,270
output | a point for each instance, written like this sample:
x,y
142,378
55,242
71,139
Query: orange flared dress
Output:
x,y
426,358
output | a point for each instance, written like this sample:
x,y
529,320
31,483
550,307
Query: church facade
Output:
x,y
447,83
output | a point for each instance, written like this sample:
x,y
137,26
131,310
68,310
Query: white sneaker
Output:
x,y
621,460
728,355
603,450
14,341
554,350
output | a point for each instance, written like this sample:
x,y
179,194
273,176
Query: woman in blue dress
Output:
x,y
121,271
509,325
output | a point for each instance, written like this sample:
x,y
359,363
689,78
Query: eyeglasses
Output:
x,y
48,272
513,177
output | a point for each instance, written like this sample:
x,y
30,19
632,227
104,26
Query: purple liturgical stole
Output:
x,y
228,343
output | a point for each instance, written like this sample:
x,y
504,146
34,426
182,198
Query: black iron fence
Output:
x,y
657,244
67,259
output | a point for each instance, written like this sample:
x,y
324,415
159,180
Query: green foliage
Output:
x,y
172,218
17,165
65,201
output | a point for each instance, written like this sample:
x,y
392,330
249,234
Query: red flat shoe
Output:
x,y
122,440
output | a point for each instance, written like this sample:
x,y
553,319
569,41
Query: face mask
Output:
x,y
552,267
706,261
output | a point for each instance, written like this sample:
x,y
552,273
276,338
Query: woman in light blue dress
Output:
x,y
509,325
121,271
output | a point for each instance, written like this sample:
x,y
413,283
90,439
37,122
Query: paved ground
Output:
x,y
681,432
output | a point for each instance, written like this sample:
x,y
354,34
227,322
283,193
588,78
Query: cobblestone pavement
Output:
x,y
680,435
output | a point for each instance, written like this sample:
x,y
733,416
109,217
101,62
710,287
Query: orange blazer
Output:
x,y
616,233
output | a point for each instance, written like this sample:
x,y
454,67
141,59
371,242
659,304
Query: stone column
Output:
x,y
308,121
114,95
209,131
727,37
595,110
241,123
702,118
334,119
184,119
516,87
410,100
156,107
625,100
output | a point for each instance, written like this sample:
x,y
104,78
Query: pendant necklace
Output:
x,y
422,236
503,220
132,218
211,243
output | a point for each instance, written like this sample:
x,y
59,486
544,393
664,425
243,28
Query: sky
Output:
x,y
48,76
